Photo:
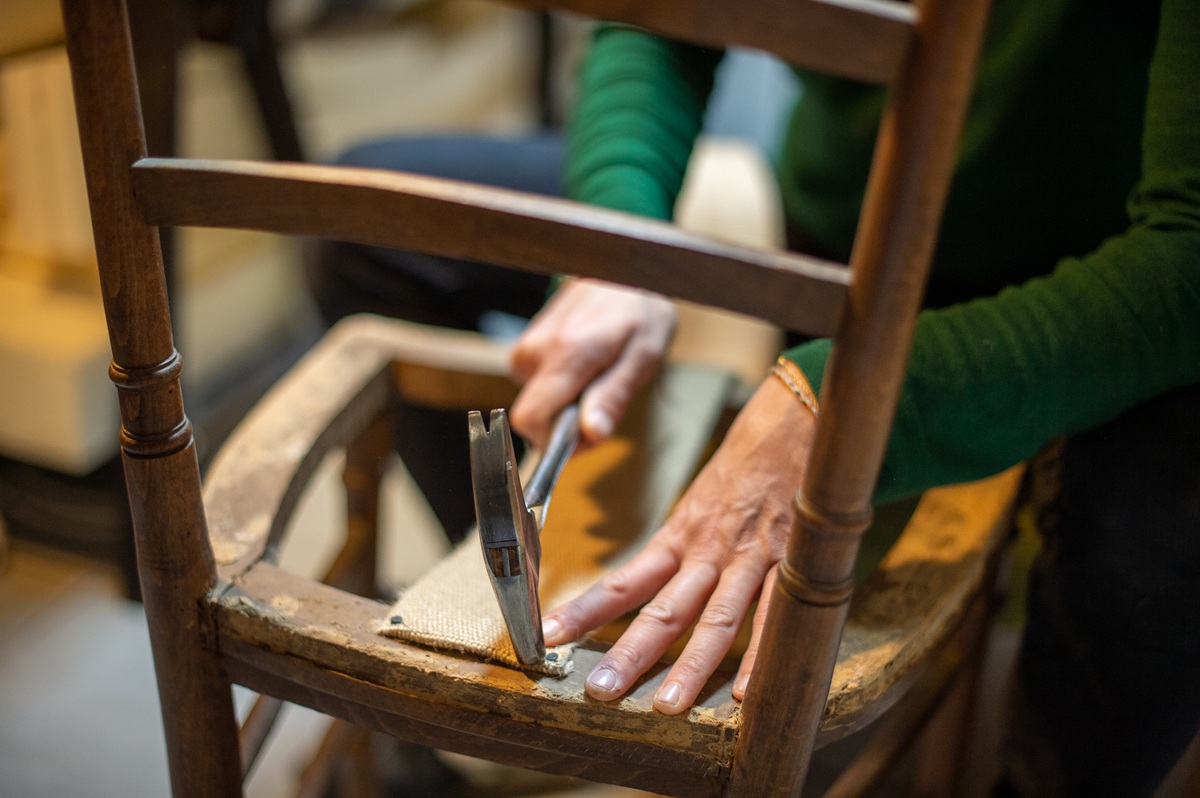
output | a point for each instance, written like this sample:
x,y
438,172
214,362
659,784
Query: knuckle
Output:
x,y
612,398
691,666
520,409
643,352
622,658
661,612
720,617
522,364
527,345
618,583
579,357
527,422
581,339
533,341
568,619
752,549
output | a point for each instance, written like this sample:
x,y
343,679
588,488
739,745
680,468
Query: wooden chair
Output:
x,y
220,612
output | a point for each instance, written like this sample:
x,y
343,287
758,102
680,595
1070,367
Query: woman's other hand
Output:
x,y
713,558
596,342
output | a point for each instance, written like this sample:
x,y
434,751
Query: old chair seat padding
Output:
x,y
268,627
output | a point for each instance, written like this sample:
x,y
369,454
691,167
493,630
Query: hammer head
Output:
x,y
508,532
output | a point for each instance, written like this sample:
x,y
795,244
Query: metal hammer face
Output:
x,y
508,533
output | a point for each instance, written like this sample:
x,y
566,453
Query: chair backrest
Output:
x,y
926,52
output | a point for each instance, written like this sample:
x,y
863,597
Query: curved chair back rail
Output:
x,y
508,228
866,40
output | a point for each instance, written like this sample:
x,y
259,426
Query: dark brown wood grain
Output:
x,y
259,722
508,228
175,562
345,752
861,39
914,158
289,615
583,755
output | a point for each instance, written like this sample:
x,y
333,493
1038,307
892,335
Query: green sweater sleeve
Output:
x,y
641,104
991,380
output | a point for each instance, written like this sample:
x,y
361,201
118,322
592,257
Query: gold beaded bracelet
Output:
x,y
791,376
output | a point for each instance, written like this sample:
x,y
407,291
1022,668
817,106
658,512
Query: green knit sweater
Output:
x,y
1066,283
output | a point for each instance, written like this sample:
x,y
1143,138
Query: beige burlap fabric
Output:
x,y
610,498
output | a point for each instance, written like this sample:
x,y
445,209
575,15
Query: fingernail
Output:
x,y
599,423
668,695
739,687
551,629
603,679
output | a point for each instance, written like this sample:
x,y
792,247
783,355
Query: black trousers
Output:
x,y
1108,676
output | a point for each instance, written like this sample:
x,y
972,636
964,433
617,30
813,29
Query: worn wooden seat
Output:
x,y
221,612
304,641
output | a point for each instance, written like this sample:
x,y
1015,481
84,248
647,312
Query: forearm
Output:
x,y
990,381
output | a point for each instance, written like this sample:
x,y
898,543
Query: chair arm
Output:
x,y
328,398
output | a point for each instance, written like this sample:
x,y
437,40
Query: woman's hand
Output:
x,y
714,556
596,342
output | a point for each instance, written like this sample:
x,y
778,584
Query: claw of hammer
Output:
x,y
508,527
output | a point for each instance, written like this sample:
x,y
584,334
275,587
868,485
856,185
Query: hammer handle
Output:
x,y
563,439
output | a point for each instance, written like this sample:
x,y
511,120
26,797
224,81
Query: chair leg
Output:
x,y
356,566
255,729
941,753
321,770
942,750
892,738
203,759
176,569
345,753
344,765
363,779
